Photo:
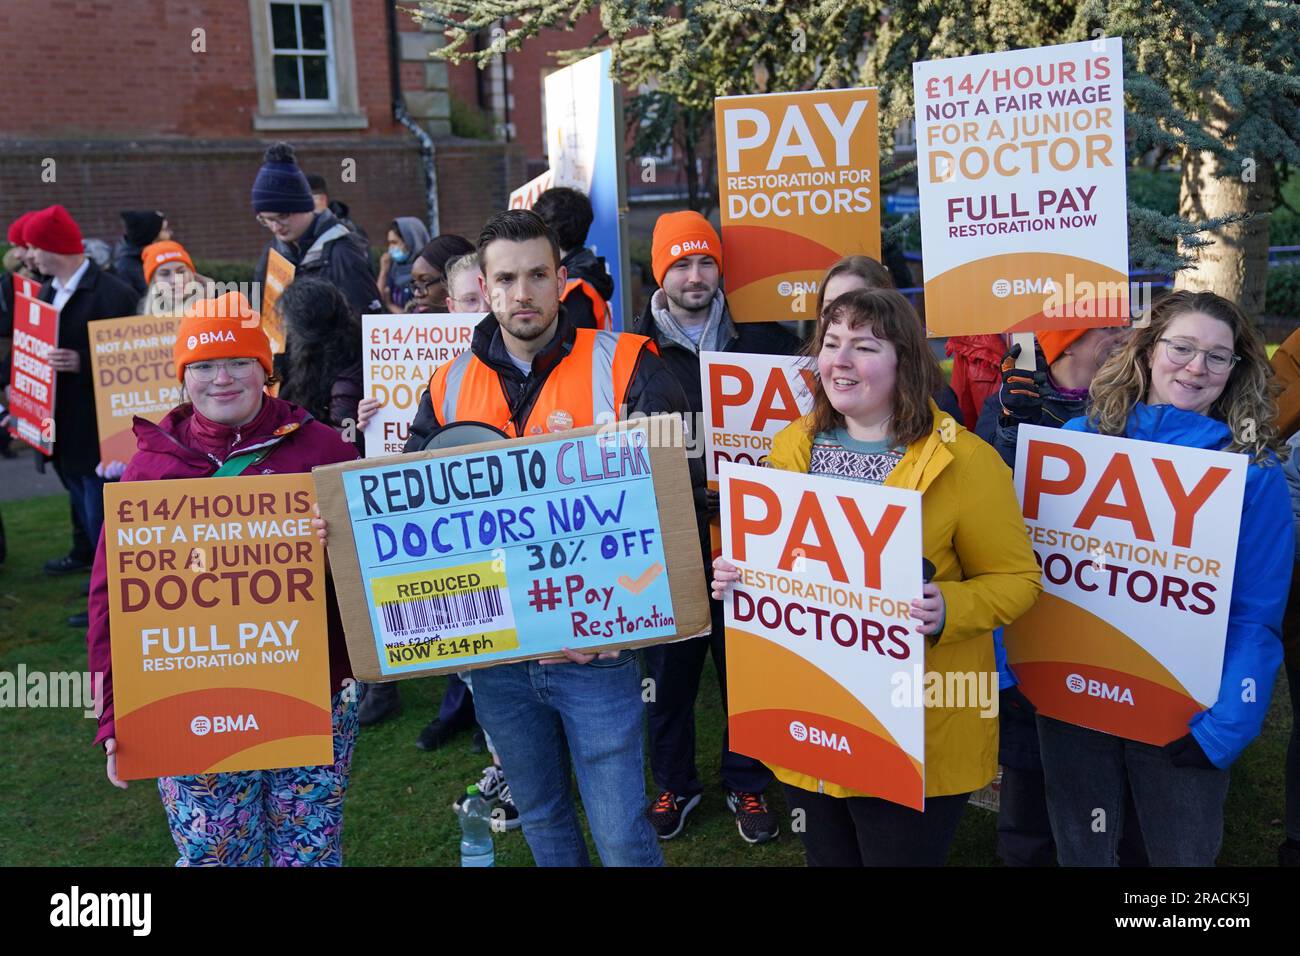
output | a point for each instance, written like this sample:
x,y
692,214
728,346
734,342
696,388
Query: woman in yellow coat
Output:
x,y
873,420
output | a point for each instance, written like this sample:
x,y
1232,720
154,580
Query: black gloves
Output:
x,y
712,504
1021,392
1186,752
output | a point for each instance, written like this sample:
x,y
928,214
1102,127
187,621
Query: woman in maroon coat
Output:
x,y
296,814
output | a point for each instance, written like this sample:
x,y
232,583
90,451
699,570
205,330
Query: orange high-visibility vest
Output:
x,y
599,307
587,387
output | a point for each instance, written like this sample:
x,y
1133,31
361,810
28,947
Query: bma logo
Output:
x,y
222,724
796,288
209,338
822,738
690,246
1034,286
1099,688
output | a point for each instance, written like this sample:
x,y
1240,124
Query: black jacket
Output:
x,y
651,390
342,261
128,266
584,264
763,338
98,295
1001,431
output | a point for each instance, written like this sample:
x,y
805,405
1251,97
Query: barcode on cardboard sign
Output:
x,y
428,615
435,605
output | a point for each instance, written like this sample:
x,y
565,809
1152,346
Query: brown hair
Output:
x,y
891,318
1247,405
865,268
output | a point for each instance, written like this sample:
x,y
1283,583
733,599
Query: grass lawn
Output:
x,y
57,808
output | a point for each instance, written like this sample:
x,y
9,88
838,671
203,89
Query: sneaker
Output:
x,y
80,621
489,785
756,823
493,788
668,813
66,565
505,811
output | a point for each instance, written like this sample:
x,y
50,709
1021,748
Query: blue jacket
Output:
x,y
1260,583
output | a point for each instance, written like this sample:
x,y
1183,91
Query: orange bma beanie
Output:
x,y
1055,342
162,252
220,328
681,234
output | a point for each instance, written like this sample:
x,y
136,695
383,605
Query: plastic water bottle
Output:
x,y
476,830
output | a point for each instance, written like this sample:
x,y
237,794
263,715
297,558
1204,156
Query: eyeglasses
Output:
x,y
424,288
1217,361
235,368
275,219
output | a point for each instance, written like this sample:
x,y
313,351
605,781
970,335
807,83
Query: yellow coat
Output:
x,y
973,533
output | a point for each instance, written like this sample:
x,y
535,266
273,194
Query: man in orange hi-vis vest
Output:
x,y
589,288
530,371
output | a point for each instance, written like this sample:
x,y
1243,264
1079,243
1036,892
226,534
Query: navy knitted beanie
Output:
x,y
280,185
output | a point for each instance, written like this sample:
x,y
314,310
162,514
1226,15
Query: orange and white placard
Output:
x,y
217,614
748,399
401,354
818,632
1021,169
798,185
1137,541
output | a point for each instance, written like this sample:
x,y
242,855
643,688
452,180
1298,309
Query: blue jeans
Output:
x,y
87,494
1180,808
548,721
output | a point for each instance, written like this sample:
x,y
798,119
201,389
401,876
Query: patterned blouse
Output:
x,y
834,453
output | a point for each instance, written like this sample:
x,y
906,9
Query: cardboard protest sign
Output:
x,y
747,400
818,634
279,274
217,613
512,550
1024,210
31,379
798,186
401,353
131,360
1137,542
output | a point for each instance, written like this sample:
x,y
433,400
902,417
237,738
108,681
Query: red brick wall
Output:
x,y
474,182
203,186
129,70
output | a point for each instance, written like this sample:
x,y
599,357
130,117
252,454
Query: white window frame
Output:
x,y
342,110
329,104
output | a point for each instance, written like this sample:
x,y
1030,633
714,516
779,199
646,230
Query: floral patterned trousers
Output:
x,y
294,814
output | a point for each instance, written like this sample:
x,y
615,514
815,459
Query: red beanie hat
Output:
x,y
157,253
224,327
17,230
1055,342
681,234
53,230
